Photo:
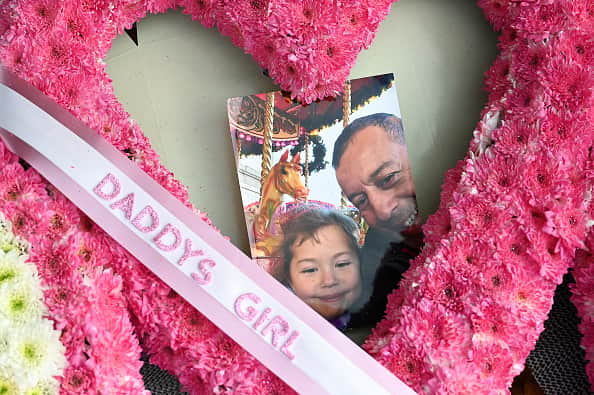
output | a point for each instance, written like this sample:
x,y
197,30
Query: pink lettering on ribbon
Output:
x,y
263,317
249,312
166,233
126,205
189,253
142,216
204,275
108,181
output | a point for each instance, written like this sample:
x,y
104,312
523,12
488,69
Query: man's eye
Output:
x,y
343,264
388,180
310,270
360,202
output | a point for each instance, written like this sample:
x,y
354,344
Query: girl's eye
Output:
x,y
343,264
310,270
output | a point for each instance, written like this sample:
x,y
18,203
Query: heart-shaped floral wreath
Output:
x,y
514,215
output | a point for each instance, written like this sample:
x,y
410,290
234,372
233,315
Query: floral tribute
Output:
x,y
84,298
511,218
31,355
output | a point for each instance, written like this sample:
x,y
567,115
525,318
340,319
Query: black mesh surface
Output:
x,y
159,382
557,361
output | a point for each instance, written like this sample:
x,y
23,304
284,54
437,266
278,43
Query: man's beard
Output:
x,y
401,219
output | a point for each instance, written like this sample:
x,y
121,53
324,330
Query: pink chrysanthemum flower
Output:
x,y
511,244
407,363
303,19
477,214
569,84
38,15
496,280
79,24
542,180
360,20
437,226
542,249
443,286
529,299
493,322
569,225
18,184
516,137
493,174
201,10
576,44
497,78
54,262
540,21
466,254
529,58
494,362
64,217
28,219
528,103
436,329
78,380
497,11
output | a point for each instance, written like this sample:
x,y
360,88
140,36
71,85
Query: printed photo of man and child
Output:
x,y
329,196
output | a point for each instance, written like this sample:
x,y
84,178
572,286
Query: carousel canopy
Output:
x,y
291,118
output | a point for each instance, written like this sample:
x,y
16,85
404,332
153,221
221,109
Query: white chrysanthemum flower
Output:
x,y
21,302
5,226
10,272
15,269
6,337
39,353
6,236
8,386
49,387
21,247
31,353
6,244
8,241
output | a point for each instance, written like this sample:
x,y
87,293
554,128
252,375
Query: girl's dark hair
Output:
x,y
305,226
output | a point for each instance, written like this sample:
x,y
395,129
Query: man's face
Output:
x,y
374,173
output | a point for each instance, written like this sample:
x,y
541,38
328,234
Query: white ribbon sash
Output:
x,y
221,282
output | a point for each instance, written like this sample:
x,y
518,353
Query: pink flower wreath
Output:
x,y
511,218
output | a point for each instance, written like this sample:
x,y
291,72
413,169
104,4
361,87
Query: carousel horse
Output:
x,y
284,178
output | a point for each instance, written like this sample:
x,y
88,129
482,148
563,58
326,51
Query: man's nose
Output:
x,y
383,206
329,278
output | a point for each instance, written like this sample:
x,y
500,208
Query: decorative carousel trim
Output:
x,y
31,355
477,305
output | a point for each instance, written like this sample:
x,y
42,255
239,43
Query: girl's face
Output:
x,y
324,273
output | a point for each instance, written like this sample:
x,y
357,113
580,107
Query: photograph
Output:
x,y
329,197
